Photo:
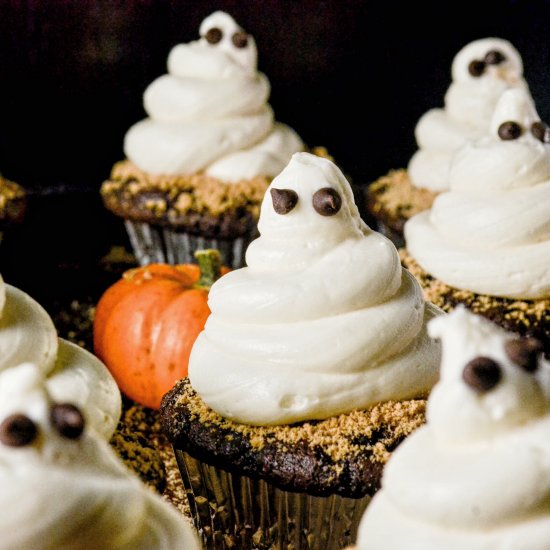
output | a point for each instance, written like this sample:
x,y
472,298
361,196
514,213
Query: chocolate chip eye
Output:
x,y
494,57
327,201
213,35
476,67
18,430
541,131
67,420
524,352
482,374
284,200
509,130
240,39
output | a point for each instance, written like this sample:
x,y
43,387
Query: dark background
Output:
x,y
352,75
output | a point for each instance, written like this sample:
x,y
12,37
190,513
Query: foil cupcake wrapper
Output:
x,y
153,244
231,511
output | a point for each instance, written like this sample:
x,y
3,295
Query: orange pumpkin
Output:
x,y
146,324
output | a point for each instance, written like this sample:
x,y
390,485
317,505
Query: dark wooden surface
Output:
x,y
352,75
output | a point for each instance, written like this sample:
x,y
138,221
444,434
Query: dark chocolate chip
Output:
x,y
240,39
284,200
476,67
541,131
67,420
327,201
482,374
524,352
213,35
509,130
494,57
18,430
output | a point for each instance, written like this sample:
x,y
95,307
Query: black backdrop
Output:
x,y
351,75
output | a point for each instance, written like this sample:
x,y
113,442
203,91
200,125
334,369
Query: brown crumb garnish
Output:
x,y
393,199
12,201
526,317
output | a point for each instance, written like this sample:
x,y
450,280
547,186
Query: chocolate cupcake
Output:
x,y
198,167
481,71
486,242
476,475
310,371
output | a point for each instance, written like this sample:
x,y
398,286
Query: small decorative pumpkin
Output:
x,y
146,324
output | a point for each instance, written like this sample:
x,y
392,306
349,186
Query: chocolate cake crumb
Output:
x,y
393,199
344,454
524,317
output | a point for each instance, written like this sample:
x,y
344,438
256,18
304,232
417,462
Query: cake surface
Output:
x,y
342,455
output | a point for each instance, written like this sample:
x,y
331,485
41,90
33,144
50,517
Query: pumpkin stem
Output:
x,y
210,263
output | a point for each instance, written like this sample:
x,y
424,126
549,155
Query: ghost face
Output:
x,y
220,32
489,58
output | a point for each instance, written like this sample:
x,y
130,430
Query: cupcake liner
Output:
x,y
235,511
153,244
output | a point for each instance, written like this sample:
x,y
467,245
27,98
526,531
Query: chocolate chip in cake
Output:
x,y
213,35
327,201
524,352
494,57
541,131
482,374
240,39
476,67
284,200
67,420
509,130
18,430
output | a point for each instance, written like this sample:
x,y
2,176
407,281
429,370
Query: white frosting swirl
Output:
x,y
491,232
477,476
73,494
469,105
210,113
27,335
323,320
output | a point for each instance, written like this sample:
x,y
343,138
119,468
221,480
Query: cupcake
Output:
x,y
481,71
73,375
13,204
197,168
308,373
476,476
486,242
62,485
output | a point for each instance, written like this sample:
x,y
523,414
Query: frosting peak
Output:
x,y
210,112
477,474
490,233
481,72
323,320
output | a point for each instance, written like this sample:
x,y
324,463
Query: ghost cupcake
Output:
x,y
477,475
486,242
481,71
198,166
73,375
62,485
307,374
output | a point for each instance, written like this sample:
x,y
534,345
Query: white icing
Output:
x,y
210,113
73,494
323,320
477,476
469,105
490,233
27,335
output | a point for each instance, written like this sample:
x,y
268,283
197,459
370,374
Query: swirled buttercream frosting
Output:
x,y
481,71
322,320
210,112
490,233
62,485
477,475
27,335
